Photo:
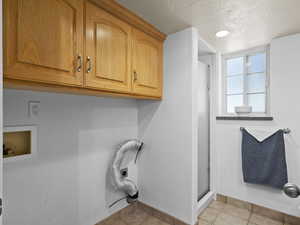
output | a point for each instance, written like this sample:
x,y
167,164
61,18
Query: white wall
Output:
x,y
284,93
77,136
168,166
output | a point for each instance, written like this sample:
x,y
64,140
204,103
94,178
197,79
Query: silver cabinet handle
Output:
x,y
79,63
89,61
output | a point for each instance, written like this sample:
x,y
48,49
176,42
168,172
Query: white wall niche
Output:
x,y
19,133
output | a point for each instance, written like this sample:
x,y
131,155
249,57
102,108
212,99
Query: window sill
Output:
x,y
249,118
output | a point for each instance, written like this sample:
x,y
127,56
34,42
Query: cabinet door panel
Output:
x,y
147,65
43,40
108,44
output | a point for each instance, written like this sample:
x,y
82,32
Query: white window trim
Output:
x,y
243,54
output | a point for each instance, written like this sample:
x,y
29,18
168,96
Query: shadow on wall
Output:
x,y
146,113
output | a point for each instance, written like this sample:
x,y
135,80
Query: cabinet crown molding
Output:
x,y
124,14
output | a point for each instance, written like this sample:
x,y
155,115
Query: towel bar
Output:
x,y
285,130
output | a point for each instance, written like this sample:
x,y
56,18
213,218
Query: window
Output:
x,y
245,77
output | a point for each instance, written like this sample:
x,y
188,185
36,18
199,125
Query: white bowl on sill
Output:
x,y
243,110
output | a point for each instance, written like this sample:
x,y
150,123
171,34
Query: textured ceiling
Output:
x,y
251,22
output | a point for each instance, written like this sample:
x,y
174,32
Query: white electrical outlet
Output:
x,y
33,109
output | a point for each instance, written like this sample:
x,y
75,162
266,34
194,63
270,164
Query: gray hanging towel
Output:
x,y
264,161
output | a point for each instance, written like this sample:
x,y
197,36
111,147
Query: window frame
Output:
x,y
245,54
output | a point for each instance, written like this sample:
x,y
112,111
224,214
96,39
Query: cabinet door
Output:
x,y
108,51
44,40
147,65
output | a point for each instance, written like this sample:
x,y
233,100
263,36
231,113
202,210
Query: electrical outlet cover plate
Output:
x,y
33,109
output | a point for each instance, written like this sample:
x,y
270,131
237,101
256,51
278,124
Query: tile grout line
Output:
x,y
221,210
284,220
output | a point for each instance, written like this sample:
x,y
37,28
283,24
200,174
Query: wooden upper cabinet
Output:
x,y
108,51
147,64
44,41
93,47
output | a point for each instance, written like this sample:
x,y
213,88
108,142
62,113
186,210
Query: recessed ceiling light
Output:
x,y
222,33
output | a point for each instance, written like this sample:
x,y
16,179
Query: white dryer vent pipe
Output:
x,y
122,183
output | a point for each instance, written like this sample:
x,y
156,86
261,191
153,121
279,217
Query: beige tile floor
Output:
x,y
150,220
133,216
219,213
